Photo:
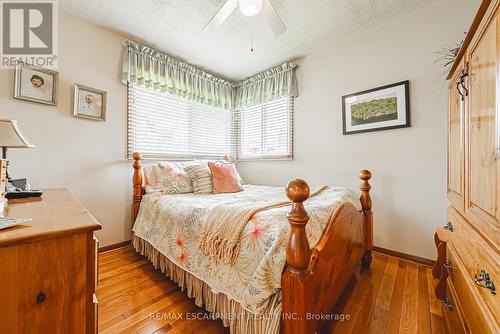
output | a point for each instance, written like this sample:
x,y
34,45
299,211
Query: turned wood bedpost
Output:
x,y
137,186
298,250
298,253
366,204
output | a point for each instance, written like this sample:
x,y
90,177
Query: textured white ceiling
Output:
x,y
174,26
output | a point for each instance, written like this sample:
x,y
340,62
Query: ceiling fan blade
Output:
x,y
222,14
273,18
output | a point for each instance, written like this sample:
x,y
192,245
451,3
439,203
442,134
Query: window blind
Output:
x,y
163,126
266,130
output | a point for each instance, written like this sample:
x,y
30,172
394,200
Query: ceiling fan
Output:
x,y
249,8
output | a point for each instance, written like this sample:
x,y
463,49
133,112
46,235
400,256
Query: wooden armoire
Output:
x,y
468,264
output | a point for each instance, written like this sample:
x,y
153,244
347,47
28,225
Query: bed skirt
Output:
x,y
239,320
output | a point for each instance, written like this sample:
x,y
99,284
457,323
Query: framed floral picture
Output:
x,y
35,84
381,108
89,103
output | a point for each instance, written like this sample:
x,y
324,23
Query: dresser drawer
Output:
x,y
43,286
453,312
479,305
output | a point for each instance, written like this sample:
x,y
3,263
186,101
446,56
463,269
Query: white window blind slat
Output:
x,y
266,131
162,126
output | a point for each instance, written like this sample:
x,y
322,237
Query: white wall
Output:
x,y
88,157
409,164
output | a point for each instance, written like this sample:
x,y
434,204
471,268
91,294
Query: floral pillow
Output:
x,y
174,180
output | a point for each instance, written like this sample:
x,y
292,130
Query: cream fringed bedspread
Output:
x,y
220,233
172,226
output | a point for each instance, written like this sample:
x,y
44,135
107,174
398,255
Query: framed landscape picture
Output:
x,y
382,108
35,84
89,103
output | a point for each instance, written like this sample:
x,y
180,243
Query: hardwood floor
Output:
x,y
395,296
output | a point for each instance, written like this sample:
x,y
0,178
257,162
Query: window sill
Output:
x,y
263,159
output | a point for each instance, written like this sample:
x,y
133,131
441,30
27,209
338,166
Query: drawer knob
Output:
x,y
447,303
447,264
40,298
484,281
448,226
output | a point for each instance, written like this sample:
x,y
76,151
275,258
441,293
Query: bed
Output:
x,y
270,280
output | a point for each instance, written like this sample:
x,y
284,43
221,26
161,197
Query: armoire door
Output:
x,y
483,167
456,144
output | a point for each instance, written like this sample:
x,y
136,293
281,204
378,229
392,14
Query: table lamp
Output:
x,y
11,136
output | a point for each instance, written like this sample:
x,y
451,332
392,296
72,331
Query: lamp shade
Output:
x,y
11,135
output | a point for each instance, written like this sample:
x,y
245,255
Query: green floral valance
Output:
x,y
145,66
269,85
148,67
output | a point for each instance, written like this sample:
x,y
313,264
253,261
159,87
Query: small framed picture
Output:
x,y
89,103
382,108
35,84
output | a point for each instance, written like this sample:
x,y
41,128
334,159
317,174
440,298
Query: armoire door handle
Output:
x,y
484,281
447,303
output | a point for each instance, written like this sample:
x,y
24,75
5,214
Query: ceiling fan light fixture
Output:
x,y
250,7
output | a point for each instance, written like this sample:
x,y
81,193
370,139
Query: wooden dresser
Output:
x,y
468,263
48,267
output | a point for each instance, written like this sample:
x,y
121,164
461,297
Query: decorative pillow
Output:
x,y
174,180
152,178
240,179
200,177
224,179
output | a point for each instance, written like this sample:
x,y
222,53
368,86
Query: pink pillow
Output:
x,y
224,179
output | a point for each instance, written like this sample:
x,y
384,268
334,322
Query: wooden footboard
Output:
x,y
314,278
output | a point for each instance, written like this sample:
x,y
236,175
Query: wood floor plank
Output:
x,y
408,323
346,327
139,314
109,293
110,280
424,311
110,265
166,317
393,295
437,324
124,270
116,253
394,312
377,322
387,285
133,298
378,268
434,302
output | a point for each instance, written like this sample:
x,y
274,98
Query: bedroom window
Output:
x,y
163,126
266,130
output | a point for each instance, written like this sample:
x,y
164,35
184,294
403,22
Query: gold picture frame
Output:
x,y
89,103
36,84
